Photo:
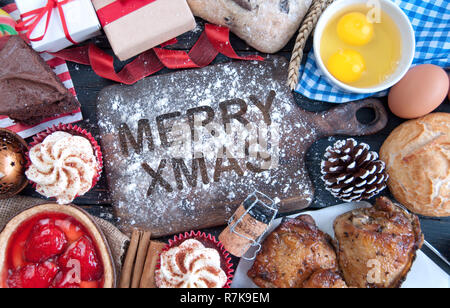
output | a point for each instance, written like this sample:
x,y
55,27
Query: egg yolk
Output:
x,y
347,66
355,29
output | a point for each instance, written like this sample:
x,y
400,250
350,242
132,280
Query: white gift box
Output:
x,y
81,20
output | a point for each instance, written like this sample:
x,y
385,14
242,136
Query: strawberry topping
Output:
x,y
72,231
81,255
44,242
33,276
66,280
89,285
52,250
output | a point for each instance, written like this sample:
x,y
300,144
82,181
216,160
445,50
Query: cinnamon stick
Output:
x,y
129,260
148,276
140,259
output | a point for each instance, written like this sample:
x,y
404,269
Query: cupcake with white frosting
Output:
x,y
194,261
65,162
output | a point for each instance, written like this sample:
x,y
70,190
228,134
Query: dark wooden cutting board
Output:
x,y
154,181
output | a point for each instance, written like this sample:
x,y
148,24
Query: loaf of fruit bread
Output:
x,y
266,25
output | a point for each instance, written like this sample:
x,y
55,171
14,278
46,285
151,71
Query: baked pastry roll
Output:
x,y
417,157
377,246
292,253
325,279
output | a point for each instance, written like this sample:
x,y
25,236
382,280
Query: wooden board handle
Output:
x,y
342,120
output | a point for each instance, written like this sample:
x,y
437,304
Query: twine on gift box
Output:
x,y
308,25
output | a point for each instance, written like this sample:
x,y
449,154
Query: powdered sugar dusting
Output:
x,y
166,207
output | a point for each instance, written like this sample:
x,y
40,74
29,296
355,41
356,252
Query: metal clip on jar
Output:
x,y
248,225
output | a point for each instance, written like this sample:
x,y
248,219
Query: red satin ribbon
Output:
x,y
37,15
214,40
119,9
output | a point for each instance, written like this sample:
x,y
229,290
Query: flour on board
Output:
x,y
162,108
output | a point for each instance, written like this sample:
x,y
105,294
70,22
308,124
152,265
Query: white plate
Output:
x,y
424,272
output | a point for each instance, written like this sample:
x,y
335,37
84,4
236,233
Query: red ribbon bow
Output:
x,y
35,17
214,40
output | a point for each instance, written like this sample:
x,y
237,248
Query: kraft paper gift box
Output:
x,y
81,19
134,26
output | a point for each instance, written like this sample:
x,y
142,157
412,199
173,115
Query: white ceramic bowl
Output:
x,y
406,32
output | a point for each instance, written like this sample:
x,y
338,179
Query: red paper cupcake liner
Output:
x,y
73,130
210,242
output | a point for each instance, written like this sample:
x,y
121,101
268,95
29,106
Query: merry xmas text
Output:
x,y
173,135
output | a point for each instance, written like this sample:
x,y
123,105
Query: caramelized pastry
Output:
x,y
377,245
292,253
325,279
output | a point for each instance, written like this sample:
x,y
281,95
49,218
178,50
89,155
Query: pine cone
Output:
x,y
353,173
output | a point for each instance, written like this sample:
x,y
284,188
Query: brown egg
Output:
x,y
449,88
420,92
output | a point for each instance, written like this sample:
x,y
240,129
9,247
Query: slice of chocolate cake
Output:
x,y
30,90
